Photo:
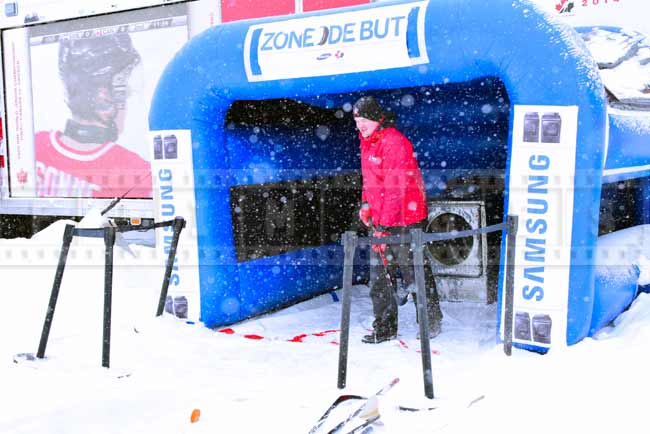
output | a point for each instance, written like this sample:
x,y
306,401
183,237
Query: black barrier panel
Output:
x,y
274,218
622,204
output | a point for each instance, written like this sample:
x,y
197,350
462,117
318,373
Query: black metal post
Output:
x,y
350,240
54,295
512,224
109,242
417,246
179,224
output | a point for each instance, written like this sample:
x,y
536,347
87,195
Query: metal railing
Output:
x,y
108,234
418,239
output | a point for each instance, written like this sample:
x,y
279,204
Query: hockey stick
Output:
x,y
372,415
401,301
365,427
117,200
364,408
335,404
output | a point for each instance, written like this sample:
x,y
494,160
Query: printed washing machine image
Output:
x,y
460,264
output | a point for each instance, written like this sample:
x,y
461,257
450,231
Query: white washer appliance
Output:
x,y
460,264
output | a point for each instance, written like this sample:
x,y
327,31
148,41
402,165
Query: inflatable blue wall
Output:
x,y
466,64
622,256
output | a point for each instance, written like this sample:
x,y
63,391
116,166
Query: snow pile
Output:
x,y
609,48
623,57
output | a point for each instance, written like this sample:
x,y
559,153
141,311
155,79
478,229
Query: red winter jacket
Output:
x,y
392,181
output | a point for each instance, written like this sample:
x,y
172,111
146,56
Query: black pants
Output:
x,y
382,292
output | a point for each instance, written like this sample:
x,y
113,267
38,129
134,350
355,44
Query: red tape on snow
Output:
x,y
297,338
301,338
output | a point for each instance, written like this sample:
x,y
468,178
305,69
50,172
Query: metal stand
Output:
x,y
512,223
179,224
54,295
350,240
418,239
417,245
108,234
109,243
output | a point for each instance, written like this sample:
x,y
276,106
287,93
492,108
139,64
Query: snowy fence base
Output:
x,y
108,234
418,239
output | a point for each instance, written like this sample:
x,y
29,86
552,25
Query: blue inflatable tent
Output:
x,y
480,88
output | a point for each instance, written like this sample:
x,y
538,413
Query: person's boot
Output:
x,y
378,336
382,331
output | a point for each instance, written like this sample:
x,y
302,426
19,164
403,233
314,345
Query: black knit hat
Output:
x,y
367,107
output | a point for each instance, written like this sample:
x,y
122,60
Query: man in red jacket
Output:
x,y
393,202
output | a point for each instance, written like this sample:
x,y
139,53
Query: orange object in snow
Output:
x,y
196,414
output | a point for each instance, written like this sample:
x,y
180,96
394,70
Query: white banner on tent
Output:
x,y
367,40
173,191
540,192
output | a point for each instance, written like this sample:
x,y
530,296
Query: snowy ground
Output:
x,y
163,368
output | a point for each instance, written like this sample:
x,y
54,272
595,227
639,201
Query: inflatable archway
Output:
x,y
551,145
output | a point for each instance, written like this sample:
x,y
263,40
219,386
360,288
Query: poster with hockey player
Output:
x,y
86,86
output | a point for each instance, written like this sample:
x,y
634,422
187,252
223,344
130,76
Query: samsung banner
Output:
x,y
173,186
367,40
542,170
